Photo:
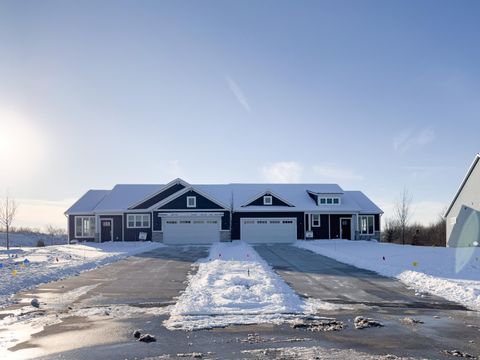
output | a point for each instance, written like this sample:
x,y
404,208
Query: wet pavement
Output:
x,y
156,278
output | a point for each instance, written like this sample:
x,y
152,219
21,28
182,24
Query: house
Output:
x,y
463,214
182,213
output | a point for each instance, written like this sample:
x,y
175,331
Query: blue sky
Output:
x,y
373,95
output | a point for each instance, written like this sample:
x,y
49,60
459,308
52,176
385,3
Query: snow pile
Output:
x,y
234,285
24,268
452,273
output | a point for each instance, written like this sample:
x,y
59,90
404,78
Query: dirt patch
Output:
x,y
322,324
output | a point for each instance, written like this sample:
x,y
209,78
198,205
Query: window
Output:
x,y
138,221
329,200
191,201
84,226
267,200
315,220
366,223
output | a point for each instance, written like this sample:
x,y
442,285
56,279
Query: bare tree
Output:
x,y
54,232
403,213
8,209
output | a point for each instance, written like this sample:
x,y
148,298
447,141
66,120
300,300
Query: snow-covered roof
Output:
x,y
366,205
124,195
295,194
87,202
236,196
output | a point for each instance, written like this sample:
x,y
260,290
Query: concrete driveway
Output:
x,y
154,279
320,277
446,325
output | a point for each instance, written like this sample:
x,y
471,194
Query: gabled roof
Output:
x,y
162,189
185,190
295,194
465,179
122,197
268,192
87,202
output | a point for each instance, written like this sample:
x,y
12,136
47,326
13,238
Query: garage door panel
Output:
x,y
268,230
191,231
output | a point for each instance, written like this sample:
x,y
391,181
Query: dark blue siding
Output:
x,y
275,201
319,232
117,226
239,215
157,220
132,234
160,196
71,228
180,203
335,224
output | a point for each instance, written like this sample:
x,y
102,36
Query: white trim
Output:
x,y
267,192
190,214
141,221
340,226
81,227
182,192
194,198
165,187
326,198
269,198
111,228
319,220
462,184
359,225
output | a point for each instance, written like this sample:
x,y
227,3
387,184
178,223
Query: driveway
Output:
x,y
446,325
316,276
154,279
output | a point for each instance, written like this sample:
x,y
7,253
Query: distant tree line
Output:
x,y
400,230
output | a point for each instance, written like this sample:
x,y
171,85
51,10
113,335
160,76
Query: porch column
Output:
x,y
354,226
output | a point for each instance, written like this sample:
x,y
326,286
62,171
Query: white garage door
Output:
x,y
191,230
268,230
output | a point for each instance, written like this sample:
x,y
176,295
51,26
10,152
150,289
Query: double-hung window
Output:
x,y
367,224
315,220
84,226
138,221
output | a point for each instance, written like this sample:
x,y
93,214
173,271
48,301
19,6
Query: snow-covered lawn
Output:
x,y
32,266
21,239
234,285
452,273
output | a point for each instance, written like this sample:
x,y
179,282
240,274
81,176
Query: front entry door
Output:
x,y
106,232
346,228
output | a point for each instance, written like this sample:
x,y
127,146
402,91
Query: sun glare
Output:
x,y
22,147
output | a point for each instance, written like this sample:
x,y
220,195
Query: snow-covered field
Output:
x,y
234,285
30,239
32,266
452,273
